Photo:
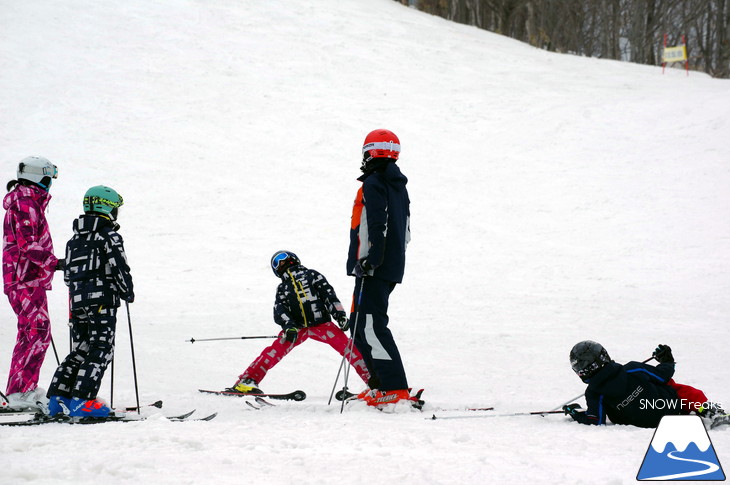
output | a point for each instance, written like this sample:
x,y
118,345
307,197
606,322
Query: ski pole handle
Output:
x,y
193,340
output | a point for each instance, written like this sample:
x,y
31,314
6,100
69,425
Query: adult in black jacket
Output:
x,y
379,234
635,393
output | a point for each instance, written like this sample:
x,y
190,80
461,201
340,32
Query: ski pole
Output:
x,y
348,349
156,404
134,363
53,344
505,415
351,345
560,407
111,391
193,340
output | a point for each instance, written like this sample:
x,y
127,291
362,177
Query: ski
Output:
x,y
344,395
33,410
260,403
722,420
291,396
39,419
505,415
18,412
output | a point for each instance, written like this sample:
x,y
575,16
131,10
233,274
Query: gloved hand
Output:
x,y
129,298
60,265
342,320
362,267
291,334
663,354
571,409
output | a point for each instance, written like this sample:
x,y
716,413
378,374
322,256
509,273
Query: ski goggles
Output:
x,y
49,170
278,259
382,145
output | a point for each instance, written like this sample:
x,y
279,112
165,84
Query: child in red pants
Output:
x,y
305,306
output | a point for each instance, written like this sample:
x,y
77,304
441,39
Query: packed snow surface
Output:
x,y
554,198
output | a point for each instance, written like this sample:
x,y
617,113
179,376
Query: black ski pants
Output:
x,y
369,322
81,372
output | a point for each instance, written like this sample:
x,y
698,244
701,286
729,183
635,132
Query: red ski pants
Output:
x,y
690,398
328,333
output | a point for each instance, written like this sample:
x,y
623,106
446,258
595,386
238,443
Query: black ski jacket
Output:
x,y
380,228
634,393
304,298
96,270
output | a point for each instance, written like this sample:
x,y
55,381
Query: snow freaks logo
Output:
x,y
681,450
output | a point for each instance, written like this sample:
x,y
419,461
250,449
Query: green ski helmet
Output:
x,y
103,200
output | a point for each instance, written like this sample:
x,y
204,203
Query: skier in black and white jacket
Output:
x,y
98,278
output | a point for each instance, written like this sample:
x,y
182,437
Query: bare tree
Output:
x,y
629,30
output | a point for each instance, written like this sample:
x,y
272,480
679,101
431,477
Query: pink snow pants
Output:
x,y
34,336
328,333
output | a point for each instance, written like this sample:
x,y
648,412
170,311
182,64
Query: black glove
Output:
x,y
60,265
362,267
129,298
342,320
291,334
663,354
571,409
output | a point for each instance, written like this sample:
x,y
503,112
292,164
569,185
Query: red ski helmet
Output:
x,y
381,144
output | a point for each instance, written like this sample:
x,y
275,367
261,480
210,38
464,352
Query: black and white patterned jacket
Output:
x,y
96,271
305,298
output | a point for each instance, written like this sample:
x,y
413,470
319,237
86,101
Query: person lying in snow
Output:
x,y
635,393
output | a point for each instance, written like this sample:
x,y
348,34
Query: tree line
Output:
x,y
627,30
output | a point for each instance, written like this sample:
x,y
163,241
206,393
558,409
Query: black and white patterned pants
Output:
x,y
81,372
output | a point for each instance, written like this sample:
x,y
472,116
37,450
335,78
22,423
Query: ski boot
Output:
x,y
245,386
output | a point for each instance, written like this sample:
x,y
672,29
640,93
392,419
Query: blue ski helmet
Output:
x,y
282,260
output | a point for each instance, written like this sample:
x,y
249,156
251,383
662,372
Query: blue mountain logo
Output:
x,y
681,450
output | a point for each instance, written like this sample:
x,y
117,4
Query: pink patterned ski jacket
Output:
x,y
28,259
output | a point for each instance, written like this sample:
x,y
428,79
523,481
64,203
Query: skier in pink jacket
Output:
x,y
28,264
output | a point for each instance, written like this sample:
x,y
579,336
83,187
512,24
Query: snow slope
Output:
x,y
554,199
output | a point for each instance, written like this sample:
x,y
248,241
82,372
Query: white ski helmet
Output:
x,y
37,170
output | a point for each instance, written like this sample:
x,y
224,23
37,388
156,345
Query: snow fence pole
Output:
x,y
134,363
583,394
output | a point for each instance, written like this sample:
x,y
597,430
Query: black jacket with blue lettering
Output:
x,y
634,393
96,270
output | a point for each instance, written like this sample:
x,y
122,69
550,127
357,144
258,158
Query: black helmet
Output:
x,y
587,358
282,260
